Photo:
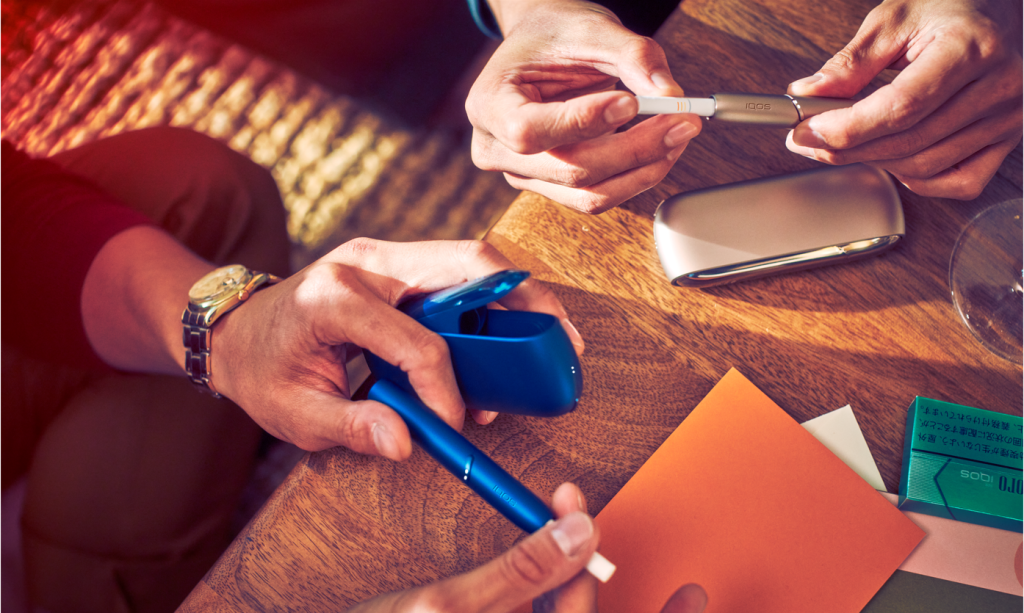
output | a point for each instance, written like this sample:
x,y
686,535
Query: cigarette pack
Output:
x,y
962,463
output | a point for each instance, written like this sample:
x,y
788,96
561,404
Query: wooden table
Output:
x,y
874,334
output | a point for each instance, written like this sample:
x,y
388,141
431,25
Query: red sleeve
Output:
x,y
52,224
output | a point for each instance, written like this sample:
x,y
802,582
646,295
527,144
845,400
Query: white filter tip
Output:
x,y
600,567
653,105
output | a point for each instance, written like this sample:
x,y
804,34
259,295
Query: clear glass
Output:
x,y
985,275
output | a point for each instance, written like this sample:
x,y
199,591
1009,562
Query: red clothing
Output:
x,y
53,225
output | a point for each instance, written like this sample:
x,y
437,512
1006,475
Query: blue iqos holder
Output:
x,y
506,361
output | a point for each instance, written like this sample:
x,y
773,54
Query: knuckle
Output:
x,y
429,349
839,138
828,156
643,46
521,137
968,189
362,246
590,203
572,176
906,110
326,281
523,566
482,153
919,167
906,143
844,60
474,250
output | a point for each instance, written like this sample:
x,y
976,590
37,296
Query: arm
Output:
x,y
545,112
945,123
281,354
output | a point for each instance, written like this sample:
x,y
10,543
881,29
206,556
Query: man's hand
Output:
x,y
546,567
281,355
945,123
544,110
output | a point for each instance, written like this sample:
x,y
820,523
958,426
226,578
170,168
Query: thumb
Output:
x,y
869,53
540,563
691,598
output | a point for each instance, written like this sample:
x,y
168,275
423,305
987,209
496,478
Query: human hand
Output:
x,y
546,567
281,355
544,110
553,556
945,123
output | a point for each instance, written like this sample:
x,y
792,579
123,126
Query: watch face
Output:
x,y
218,284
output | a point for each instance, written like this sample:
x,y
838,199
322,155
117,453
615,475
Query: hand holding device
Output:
x,y
282,357
544,110
947,120
757,109
510,361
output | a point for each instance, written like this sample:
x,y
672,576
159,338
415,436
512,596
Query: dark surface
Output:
x,y
912,593
399,55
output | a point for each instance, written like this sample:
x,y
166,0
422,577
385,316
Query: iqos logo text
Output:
x,y
497,490
976,476
758,106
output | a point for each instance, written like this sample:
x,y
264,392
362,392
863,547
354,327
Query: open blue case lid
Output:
x,y
507,361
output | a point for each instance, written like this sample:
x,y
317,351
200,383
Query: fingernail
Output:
x,y
572,532
680,134
814,78
619,111
663,80
574,336
811,137
581,502
488,416
385,442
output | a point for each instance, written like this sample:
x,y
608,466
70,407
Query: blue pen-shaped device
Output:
x,y
474,468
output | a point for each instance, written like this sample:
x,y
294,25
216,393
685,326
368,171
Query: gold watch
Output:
x,y
211,297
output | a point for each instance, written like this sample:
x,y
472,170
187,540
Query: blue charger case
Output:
x,y
506,361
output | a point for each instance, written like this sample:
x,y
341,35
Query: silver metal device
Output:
x,y
757,109
778,224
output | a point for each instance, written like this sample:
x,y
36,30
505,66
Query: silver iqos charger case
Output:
x,y
766,226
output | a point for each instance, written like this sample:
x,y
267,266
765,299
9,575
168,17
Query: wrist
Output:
x,y
510,13
210,300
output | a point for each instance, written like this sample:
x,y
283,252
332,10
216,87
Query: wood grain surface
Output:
x,y
873,334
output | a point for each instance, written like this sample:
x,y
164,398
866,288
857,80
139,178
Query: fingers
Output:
x,y
690,598
605,195
947,119
528,127
543,561
605,155
543,115
393,271
364,427
847,72
965,180
580,592
342,309
596,175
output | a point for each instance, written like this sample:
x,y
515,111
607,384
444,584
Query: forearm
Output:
x,y
133,298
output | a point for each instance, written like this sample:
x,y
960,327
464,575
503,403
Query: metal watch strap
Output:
x,y
197,333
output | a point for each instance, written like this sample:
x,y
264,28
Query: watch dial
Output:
x,y
219,283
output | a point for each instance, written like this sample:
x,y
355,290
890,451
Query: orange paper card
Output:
x,y
745,502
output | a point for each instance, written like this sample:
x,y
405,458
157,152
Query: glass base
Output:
x,y
985,278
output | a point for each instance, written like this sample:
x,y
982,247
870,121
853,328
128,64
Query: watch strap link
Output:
x,y
197,331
